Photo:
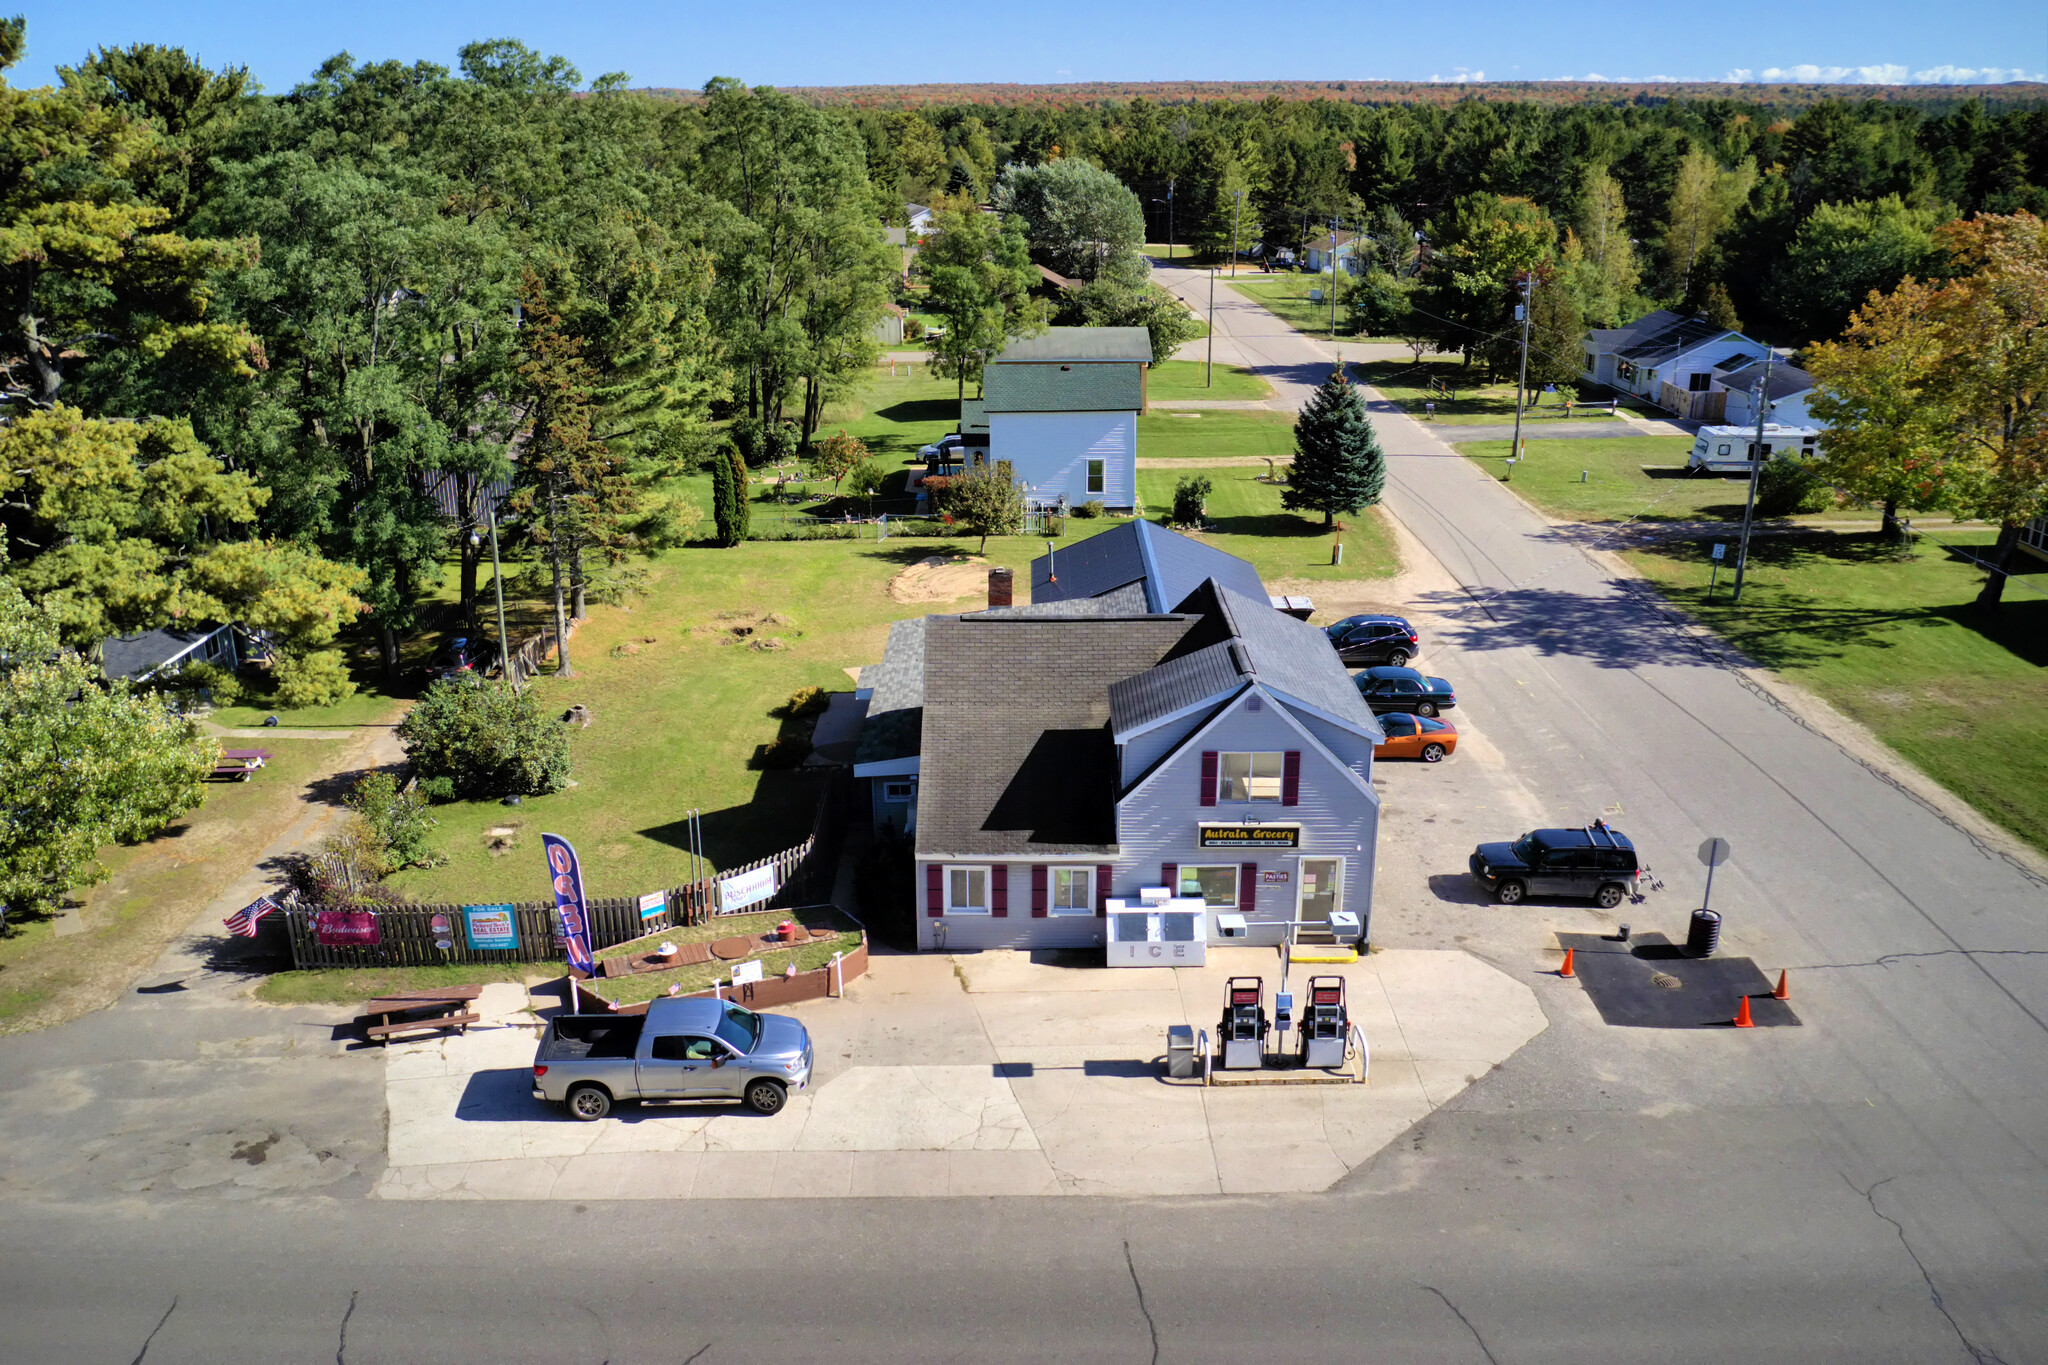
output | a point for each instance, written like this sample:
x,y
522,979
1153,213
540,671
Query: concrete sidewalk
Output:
x,y
985,1074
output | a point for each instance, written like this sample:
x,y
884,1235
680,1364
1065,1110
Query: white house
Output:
x,y
1062,407
1671,360
1791,389
919,217
1318,249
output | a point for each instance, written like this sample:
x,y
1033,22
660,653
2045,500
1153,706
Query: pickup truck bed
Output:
x,y
587,1037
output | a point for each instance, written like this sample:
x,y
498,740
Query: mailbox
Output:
x,y
1344,926
1326,1024
1241,1036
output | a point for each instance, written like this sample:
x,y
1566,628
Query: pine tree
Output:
x,y
729,496
1338,464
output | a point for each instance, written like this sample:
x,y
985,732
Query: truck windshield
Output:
x,y
740,1027
1525,850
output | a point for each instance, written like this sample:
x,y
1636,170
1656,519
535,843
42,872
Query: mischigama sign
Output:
x,y
1250,836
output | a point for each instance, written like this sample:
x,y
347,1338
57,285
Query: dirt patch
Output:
x,y
755,630
941,578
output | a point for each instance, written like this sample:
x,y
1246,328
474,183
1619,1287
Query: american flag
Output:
x,y
243,921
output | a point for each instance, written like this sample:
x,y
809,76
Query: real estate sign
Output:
x,y
490,926
653,903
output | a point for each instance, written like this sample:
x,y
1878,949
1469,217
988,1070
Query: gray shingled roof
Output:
x,y
1079,387
1294,657
1174,686
895,720
1170,565
135,656
1644,327
1128,600
1785,379
1079,343
1017,749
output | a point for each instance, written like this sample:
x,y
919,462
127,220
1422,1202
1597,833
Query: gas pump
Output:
x,y
1242,1033
1326,1024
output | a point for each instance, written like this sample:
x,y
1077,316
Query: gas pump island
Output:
x,y
1251,1048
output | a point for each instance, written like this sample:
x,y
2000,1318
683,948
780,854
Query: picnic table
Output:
x,y
421,1011
239,763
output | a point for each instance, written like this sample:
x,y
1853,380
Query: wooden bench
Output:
x,y
383,1033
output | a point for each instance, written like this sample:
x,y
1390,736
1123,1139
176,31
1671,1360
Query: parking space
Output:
x,y
985,1073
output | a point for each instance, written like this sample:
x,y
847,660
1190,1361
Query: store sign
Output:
x,y
1273,878
1251,836
490,926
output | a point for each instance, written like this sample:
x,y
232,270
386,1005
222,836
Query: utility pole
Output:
x,y
1209,371
1234,214
1333,285
498,586
1169,218
1756,465
1522,375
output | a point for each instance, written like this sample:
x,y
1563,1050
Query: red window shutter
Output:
x,y
1169,877
1103,872
934,890
1290,778
999,890
1247,887
1208,777
1038,875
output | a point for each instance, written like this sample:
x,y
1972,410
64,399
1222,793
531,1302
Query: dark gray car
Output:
x,y
1592,863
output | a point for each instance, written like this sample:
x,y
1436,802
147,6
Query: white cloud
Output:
x,y
1463,74
1883,73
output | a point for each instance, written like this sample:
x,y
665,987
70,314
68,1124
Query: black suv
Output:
x,y
1374,640
1390,689
1594,862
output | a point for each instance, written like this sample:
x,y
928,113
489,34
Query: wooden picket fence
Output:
x,y
409,937
526,658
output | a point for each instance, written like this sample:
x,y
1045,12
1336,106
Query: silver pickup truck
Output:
x,y
687,1049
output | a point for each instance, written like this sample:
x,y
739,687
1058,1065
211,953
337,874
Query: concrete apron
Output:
x,y
980,1074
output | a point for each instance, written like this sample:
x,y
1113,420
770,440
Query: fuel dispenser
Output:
x,y
1242,1033
1326,1024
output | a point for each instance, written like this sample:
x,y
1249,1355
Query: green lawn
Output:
x,y
1894,641
1172,379
1468,400
1617,485
1251,524
1174,434
1286,296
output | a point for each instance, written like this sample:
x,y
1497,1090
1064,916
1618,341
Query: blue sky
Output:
x,y
796,43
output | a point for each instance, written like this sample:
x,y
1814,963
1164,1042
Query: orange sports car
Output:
x,y
1423,737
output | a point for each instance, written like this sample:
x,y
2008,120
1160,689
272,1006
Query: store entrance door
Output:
x,y
1322,881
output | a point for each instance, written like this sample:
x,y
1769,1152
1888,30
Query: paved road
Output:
x,y
1867,1187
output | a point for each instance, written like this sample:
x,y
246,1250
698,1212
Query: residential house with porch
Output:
x,y
1671,360
1072,751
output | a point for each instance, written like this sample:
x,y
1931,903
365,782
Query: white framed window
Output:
x,y
1217,886
1249,777
1073,891
1095,475
967,891
899,791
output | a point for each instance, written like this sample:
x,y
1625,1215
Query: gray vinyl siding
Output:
x,y
1148,748
1354,751
1159,823
966,933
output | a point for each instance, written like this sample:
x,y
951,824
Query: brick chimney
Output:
x,y
999,587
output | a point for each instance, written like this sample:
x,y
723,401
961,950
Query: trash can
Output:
x,y
1180,1051
1704,935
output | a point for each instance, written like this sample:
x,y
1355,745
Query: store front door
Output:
x,y
1321,883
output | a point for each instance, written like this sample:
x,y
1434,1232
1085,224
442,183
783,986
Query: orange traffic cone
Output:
x,y
1742,1019
1781,993
1566,969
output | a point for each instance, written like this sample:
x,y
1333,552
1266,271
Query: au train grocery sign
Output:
x,y
1251,836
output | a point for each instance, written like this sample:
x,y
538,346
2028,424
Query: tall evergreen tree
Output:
x,y
1338,464
729,496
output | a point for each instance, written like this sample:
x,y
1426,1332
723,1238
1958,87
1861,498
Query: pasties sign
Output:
x,y
1251,836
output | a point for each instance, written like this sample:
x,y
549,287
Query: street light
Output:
x,y
1168,201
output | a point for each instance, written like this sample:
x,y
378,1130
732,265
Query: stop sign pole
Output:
x,y
1713,852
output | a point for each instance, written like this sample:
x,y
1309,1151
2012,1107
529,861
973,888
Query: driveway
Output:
x,y
985,1074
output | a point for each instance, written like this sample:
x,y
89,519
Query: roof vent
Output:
x,y
1251,703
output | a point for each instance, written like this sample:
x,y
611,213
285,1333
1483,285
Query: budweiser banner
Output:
x,y
346,929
